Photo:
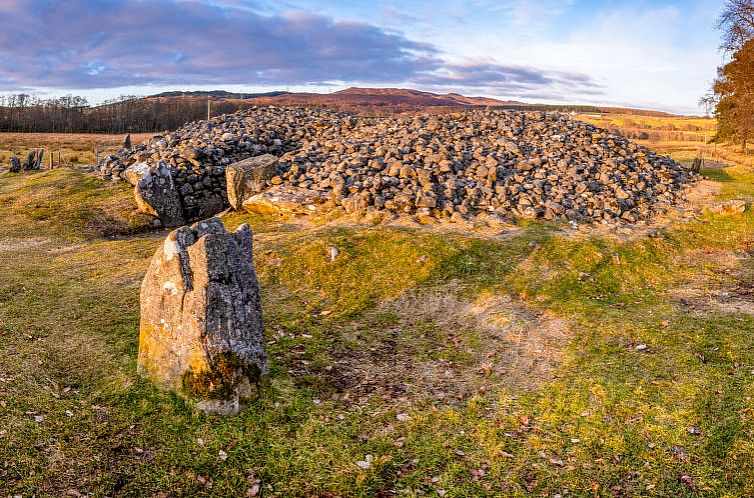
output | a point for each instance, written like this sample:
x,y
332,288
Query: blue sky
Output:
x,y
651,54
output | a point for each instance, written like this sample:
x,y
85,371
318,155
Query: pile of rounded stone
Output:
x,y
503,163
198,152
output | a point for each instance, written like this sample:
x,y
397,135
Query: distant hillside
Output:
x,y
170,110
217,94
382,100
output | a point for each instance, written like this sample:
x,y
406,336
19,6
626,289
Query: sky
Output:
x,y
659,54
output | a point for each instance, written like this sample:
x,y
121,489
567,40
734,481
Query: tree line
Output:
x,y
126,114
732,93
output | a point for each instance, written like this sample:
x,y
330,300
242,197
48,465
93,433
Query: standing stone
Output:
x,y
38,162
15,164
127,142
156,194
30,161
696,165
201,318
249,177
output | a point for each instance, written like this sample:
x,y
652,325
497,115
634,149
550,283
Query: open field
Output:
x,y
71,148
419,362
681,137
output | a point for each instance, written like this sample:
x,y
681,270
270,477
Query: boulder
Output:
x,y
728,208
249,177
156,194
15,164
201,318
283,199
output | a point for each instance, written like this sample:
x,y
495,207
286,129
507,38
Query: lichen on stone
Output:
x,y
226,376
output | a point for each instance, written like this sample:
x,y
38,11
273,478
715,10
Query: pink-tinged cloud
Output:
x,y
84,44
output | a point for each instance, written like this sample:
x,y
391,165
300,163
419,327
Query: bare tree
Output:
x,y
737,23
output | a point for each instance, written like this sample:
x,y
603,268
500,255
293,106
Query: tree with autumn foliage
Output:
x,y
732,95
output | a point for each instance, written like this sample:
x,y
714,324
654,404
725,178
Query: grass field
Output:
x,y
684,138
536,362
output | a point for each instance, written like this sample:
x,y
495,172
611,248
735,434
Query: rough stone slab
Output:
x,y
156,194
201,318
31,161
134,173
15,164
283,199
249,177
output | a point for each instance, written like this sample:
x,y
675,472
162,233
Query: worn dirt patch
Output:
x,y
15,244
727,287
446,348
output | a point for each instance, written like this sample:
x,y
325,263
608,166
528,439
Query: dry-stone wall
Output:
x,y
506,163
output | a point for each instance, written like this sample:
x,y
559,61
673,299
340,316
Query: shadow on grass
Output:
x,y
717,174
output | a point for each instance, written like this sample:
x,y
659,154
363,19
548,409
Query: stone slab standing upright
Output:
x,y
249,177
201,318
38,162
156,194
15,164
30,161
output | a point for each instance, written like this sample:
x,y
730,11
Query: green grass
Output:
x,y
609,420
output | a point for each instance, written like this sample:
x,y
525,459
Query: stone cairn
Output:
x,y
201,318
474,164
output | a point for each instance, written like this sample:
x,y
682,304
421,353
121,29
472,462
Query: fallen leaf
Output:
x,y
403,417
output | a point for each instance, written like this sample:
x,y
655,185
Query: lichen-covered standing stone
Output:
x,y
31,161
249,177
15,164
156,194
201,318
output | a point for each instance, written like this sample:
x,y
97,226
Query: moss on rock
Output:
x,y
227,374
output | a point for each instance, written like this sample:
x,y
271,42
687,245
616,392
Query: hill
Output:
x,y
381,100
217,94
169,110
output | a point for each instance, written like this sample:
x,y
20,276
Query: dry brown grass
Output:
x,y
67,147
438,346
683,138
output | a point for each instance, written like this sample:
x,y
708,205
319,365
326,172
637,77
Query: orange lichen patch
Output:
x,y
226,375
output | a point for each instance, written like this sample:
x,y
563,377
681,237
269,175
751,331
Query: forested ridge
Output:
x,y
126,114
